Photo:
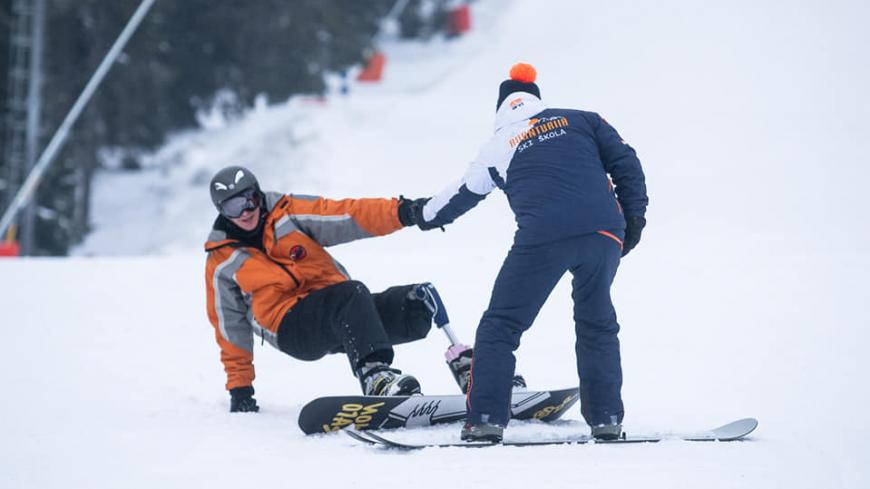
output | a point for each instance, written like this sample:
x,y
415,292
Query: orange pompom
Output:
x,y
523,72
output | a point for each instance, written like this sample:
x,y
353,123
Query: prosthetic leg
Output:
x,y
458,355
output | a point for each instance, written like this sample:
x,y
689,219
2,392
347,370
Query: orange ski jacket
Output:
x,y
249,290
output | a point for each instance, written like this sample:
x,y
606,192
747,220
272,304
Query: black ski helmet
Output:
x,y
231,181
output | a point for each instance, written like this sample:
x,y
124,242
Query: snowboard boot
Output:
x,y
378,379
459,362
482,432
606,432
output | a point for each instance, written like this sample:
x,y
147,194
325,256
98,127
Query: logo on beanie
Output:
x,y
516,103
298,253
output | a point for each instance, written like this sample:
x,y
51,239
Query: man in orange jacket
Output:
x,y
268,274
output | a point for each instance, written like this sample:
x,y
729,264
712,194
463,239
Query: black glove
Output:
x,y
633,228
242,400
411,213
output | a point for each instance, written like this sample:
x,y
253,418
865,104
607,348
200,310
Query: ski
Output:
x,y
733,431
328,414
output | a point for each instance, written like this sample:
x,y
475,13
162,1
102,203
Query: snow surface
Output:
x,y
747,296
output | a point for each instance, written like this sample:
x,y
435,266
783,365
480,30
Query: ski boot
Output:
x,y
606,432
492,433
378,379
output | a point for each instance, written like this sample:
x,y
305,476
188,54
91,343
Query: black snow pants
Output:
x,y
347,318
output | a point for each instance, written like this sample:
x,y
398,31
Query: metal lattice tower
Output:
x,y
22,103
23,196
15,138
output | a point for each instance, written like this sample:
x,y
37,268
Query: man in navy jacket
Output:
x,y
579,196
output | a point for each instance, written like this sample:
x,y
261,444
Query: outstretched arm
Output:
x,y
331,222
458,198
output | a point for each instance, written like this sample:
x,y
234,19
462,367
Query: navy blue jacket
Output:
x,y
555,166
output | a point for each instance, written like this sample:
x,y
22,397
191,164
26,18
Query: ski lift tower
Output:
x,y
23,108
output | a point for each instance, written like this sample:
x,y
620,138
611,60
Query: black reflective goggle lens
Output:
x,y
235,206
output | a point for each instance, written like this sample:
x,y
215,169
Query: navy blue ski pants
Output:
x,y
527,277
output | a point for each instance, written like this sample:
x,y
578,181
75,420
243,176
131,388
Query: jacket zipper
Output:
x,y
298,283
287,270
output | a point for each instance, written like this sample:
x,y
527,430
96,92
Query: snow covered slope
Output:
x,y
746,297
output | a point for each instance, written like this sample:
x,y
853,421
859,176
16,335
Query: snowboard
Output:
x,y
735,430
328,414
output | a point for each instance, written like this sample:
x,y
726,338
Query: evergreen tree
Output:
x,y
182,55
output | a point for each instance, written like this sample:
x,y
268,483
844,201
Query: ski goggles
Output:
x,y
236,205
